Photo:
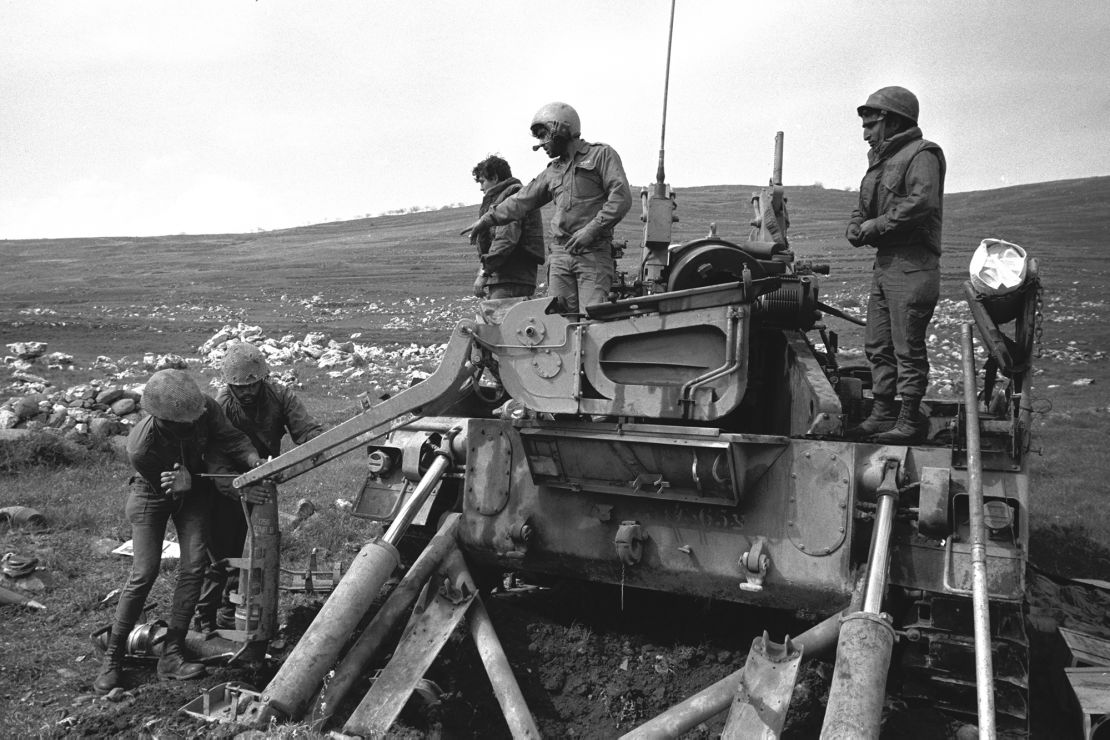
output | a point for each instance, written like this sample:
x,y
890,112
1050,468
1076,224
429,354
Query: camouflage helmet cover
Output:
x,y
244,364
172,395
892,99
559,118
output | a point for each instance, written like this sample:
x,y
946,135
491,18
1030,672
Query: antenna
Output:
x,y
660,175
658,206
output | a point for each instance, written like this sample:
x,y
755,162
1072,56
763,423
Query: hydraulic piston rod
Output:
x,y
290,691
879,555
393,610
855,704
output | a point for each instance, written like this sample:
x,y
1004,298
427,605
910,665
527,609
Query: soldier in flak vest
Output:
x,y
899,215
510,254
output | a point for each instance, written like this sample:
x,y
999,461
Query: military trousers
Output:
x,y
510,290
581,280
899,310
227,534
149,512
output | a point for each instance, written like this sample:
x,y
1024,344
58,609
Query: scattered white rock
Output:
x,y
27,350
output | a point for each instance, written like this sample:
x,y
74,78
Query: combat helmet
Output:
x,y
171,395
244,364
559,119
892,99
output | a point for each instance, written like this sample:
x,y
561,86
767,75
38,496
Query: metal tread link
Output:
x,y
937,662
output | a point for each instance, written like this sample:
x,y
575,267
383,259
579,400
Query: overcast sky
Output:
x,y
143,118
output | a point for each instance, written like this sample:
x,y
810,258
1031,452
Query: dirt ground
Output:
x,y
588,665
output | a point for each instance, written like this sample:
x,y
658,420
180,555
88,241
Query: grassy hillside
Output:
x,y
422,252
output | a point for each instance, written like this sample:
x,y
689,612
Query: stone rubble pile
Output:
x,y
99,407
344,360
81,409
113,405
95,408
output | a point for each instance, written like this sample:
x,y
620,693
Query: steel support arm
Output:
x,y
446,386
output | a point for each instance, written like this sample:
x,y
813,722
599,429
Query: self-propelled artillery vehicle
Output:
x,y
688,436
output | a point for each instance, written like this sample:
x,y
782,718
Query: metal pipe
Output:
x,y
505,687
732,343
717,697
397,606
879,555
984,670
855,704
289,692
412,505
776,176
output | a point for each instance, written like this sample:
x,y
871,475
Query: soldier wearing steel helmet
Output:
x,y
899,215
169,449
591,195
264,411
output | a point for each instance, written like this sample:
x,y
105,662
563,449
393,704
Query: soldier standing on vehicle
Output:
x,y
899,215
591,194
510,253
169,449
264,411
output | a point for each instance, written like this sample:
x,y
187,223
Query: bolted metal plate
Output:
x,y
531,332
489,469
546,364
818,512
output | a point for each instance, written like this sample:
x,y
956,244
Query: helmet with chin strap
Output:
x,y
556,120
892,99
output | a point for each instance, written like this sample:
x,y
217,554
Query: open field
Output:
x,y
400,280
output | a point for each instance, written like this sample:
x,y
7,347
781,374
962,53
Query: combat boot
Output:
x,y
173,663
884,415
911,427
111,670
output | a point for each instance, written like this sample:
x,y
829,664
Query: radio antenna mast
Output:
x,y
658,205
660,175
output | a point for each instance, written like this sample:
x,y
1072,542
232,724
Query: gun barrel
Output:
x,y
840,314
777,177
